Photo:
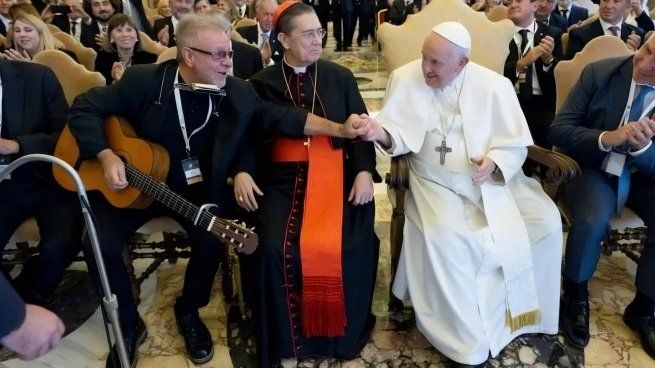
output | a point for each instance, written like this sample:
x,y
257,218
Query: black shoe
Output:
x,y
359,43
197,339
574,321
644,326
133,339
338,49
454,364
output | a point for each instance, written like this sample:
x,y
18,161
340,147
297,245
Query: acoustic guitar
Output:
x,y
146,167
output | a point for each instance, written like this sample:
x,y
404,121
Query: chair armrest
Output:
x,y
398,176
561,168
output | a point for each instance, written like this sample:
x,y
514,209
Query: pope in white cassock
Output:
x,y
482,242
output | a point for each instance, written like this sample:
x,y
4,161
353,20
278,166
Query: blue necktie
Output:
x,y
636,110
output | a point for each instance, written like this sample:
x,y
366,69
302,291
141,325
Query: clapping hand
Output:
x,y
11,54
163,36
633,41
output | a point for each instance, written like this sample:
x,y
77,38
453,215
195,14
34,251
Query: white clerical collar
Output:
x,y
606,25
296,69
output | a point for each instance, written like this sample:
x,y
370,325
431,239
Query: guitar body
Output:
x,y
149,158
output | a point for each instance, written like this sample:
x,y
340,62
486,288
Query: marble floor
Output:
x,y
395,341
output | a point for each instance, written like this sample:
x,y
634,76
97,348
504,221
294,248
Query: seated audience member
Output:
x,y
546,15
606,126
74,22
122,49
30,36
164,29
260,34
201,6
28,330
164,9
533,54
94,34
486,270
639,16
5,18
229,7
247,60
217,143
488,4
610,22
243,9
400,9
573,14
33,114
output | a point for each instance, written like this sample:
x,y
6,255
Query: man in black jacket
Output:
x,y
164,29
101,11
209,132
546,15
610,22
33,114
262,33
533,55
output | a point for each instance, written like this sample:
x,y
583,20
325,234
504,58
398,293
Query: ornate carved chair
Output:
x,y
489,48
628,232
151,46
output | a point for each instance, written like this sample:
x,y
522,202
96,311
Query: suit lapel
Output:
x,y
12,99
619,88
625,31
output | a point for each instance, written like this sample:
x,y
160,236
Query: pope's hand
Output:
x,y
362,190
244,191
486,167
113,168
355,126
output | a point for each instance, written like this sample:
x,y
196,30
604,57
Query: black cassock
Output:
x,y
278,292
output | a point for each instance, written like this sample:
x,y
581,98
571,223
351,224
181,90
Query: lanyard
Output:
x,y
628,106
180,115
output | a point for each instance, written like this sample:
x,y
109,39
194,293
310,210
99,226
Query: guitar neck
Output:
x,y
227,231
160,193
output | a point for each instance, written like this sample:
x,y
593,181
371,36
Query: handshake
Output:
x,y
365,127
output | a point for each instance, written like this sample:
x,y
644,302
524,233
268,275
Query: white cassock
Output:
x,y
474,260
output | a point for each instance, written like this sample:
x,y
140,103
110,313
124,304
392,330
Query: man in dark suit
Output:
x,y
244,10
533,54
73,22
164,29
33,114
572,13
605,126
546,15
262,34
28,330
216,144
399,10
610,22
101,11
322,9
5,19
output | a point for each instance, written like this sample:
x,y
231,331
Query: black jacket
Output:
x,y
159,25
251,34
579,37
247,60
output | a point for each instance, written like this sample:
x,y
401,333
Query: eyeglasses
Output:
x,y
313,33
218,55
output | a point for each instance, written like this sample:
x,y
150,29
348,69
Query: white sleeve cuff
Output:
x,y
600,143
638,153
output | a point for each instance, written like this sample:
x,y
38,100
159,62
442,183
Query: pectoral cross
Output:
x,y
443,149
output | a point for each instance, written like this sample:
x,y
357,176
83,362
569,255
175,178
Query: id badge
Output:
x,y
613,163
522,77
191,168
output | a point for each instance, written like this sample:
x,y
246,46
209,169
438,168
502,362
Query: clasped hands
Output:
x,y
636,133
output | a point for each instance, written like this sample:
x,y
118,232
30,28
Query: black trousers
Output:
x,y
339,19
115,226
59,218
539,113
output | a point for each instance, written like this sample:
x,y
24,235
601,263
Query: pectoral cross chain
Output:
x,y
443,150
